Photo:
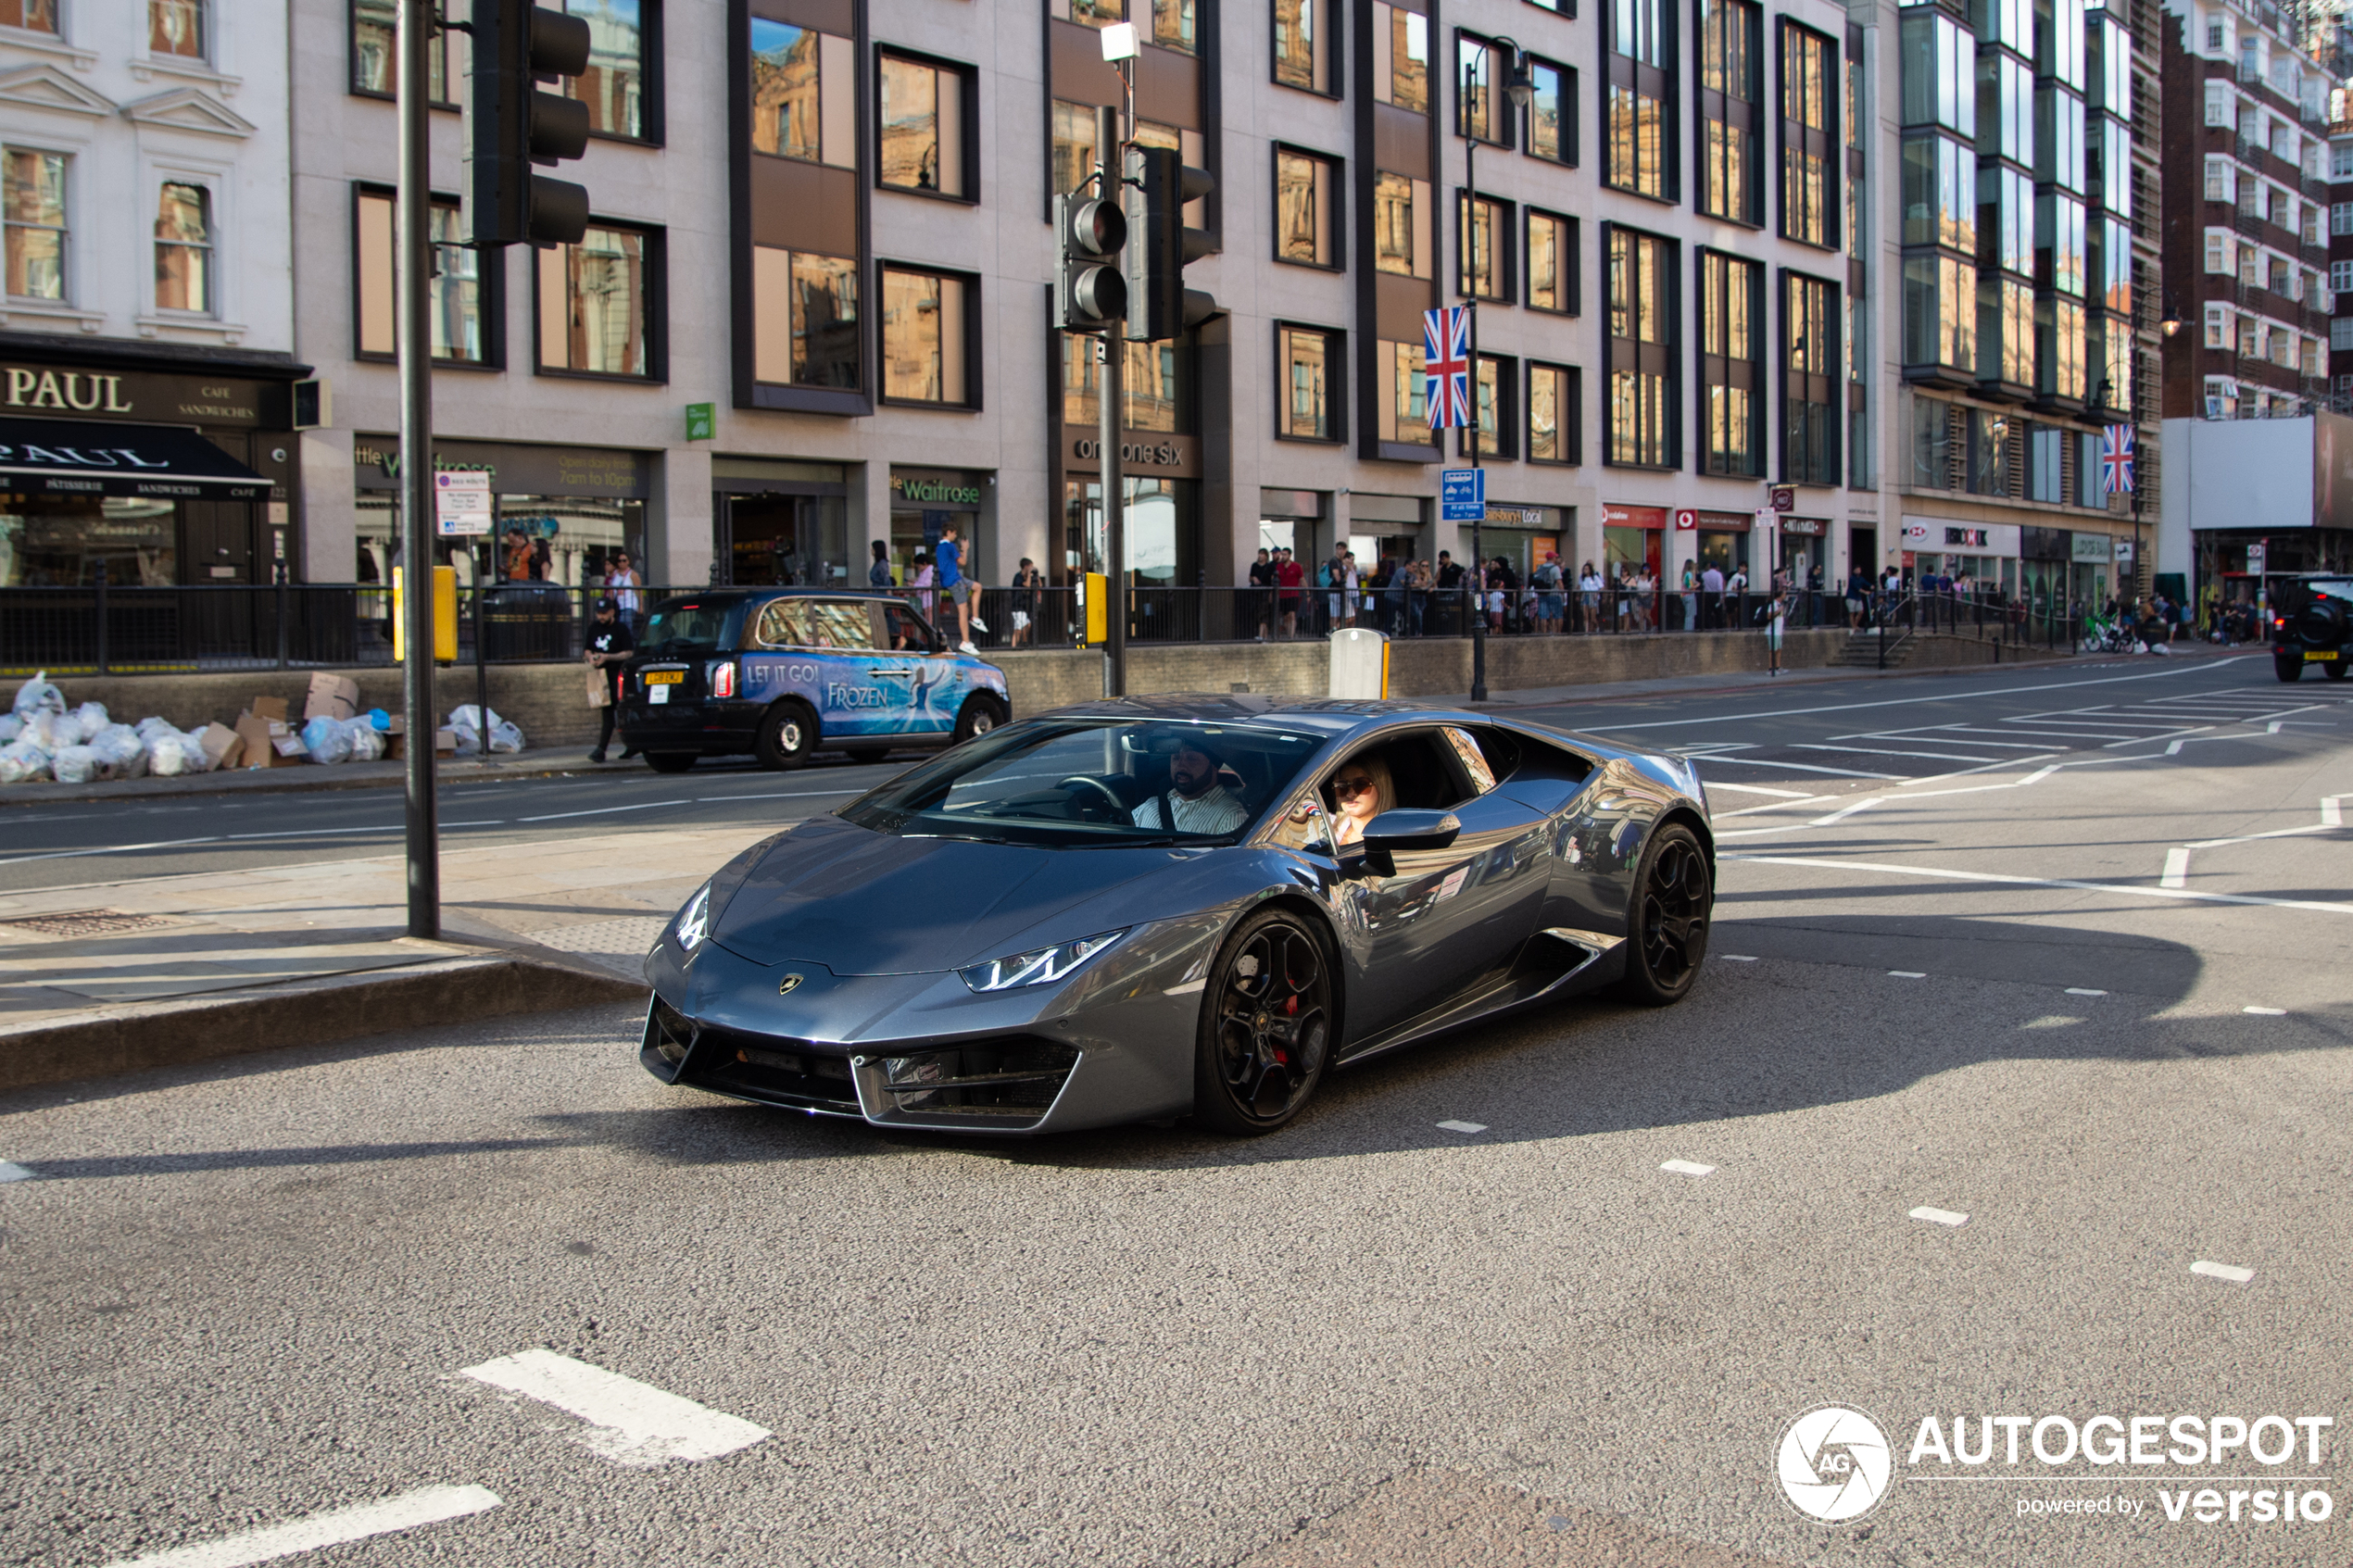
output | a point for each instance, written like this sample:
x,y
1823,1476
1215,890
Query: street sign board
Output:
x,y
461,503
703,421
1686,519
1765,522
2254,554
1462,495
1784,498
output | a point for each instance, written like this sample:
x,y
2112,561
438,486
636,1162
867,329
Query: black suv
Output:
x,y
2311,623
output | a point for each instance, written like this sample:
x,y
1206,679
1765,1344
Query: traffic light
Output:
x,y
1159,305
1089,294
511,125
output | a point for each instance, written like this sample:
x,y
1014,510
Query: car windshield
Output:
x,y
679,626
1074,781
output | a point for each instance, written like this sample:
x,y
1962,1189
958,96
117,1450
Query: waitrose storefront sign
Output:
x,y
934,492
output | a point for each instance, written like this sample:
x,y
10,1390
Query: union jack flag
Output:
x,y
1446,366
2116,459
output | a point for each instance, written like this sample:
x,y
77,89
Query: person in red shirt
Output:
x,y
1289,576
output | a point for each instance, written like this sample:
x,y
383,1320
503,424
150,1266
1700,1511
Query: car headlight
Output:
x,y
694,920
1038,967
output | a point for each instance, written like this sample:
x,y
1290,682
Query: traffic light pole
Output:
x,y
1111,397
415,308
1465,239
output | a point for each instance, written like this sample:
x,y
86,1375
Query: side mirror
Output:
x,y
1401,828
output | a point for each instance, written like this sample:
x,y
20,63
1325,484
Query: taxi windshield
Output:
x,y
680,626
1075,782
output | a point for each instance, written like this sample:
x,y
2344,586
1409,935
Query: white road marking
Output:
x,y
1939,1216
1887,751
2230,1271
1463,1128
2251,837
1687,1168
1738,957
629,1423
1797,803
2266,1012
1760,789
1795,767
780,794
2001,879
603,811
1908,974
2177,869
2332,810
110,849
10,1172
427,1505
1901,701
1844,812
1935,734
2083,991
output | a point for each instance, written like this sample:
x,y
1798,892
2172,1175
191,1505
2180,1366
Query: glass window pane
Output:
x,y
910,129
825,321
593,304
176,27
1546,130
923,337
613,85
183,249
1296,51
785,97
1409,61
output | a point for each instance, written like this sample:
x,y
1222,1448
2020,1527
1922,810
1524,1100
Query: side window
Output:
x,y
895,626
1474,761
779,625
840,624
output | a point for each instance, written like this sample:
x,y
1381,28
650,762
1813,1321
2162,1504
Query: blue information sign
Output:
x,y
1462,495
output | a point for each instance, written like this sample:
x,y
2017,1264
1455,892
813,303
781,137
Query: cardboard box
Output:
x,y
268,708
445,742
222,745
270,743
332,697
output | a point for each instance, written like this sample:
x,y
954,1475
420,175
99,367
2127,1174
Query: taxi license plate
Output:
x,y
665,677
2323,656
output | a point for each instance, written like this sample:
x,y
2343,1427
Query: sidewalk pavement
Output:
x,y
113,977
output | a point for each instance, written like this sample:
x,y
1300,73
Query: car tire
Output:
x,y
787,736
670,762
2335,671
981,713
1668,920
2287,670
1267,1024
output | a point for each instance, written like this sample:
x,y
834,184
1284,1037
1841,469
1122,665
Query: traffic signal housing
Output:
x,y
1159,184
512,125
1090,292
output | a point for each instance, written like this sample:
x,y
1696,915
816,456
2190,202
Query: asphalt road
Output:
x,y
2067,993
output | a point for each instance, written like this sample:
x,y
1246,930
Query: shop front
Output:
x,y
2092,562
151,472
1386,527
1631,537
1721,541
1522,536
1979,557
1292,519
563,513
1804,544
926,502
781,522
1161,481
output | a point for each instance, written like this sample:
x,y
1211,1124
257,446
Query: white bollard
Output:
x,y
1360,664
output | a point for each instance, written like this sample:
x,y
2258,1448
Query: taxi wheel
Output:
x,y
787,736
981,713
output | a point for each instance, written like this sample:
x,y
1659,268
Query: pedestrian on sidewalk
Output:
x,y
1260,603
1776,618
1289,576
947,556
1027,581
878,573
609,644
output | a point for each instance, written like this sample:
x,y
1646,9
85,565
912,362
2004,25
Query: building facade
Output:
x,y
147,334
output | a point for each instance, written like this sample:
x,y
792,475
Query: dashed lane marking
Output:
x,y
1939,1216
1466,1128
1686,1168
13,1172
1760,789
603,811
427,1505
2266,1012
1795,767
1908,974
629,1423
2177,869
2000,879
2083,991
1846,811
1738,957
2230,1271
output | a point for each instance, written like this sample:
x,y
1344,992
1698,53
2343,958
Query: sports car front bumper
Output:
x,y
1115,1043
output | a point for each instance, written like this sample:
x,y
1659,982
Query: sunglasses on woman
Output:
x,y
1348,789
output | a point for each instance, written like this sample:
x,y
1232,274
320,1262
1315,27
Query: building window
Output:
x,y
614,84
601,303
1401,57
376,54
2341,334
1731,85
2341,276
1556,409
1401,225
1497,380
1642,358
927,343
1173,25
176,28
183,249
2341,161
1483,237
35,203
813,340
1552,262
2341,218
33,15
1158,390
1481,111
1307,209
1552,111
2218,179
1404,411
925,137
1939,73
1809,380
462,304
1308,358
2060,345
1731,390
1302,45
1074,145
804,99
1942,194
1940,314
1639,124
1810,138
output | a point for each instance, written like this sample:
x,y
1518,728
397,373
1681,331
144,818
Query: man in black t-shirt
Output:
x,y
609,649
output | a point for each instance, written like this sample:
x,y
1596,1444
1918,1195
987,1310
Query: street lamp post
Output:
x,y
1517,87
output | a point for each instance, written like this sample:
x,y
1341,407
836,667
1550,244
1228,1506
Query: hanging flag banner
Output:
x,y
2116,459
1446,366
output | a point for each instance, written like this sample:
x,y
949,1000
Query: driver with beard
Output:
x,y
1195,802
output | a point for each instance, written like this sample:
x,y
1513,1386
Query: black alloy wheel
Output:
x,y
787,736
981,713
1266,1025
1666,935
670,761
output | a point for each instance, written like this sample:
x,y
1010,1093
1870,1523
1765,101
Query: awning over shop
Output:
x,y
67,457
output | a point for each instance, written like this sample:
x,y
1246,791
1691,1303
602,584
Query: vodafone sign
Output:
x,y
1686,520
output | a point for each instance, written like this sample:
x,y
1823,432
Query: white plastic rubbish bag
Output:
x,y
467,722
10,728
504,735
168,755
22,763
37,695
93,717
366,741
49,731
74,764
118,752
328,740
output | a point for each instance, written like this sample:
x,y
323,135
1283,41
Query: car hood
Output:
x,y
861,902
